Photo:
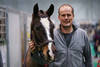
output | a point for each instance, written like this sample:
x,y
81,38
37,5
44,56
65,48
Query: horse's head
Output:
x,y
42,32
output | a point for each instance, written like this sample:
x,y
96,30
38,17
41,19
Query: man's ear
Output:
x,y
59,17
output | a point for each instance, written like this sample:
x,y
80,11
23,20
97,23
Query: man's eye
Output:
x,y
63,15
68,14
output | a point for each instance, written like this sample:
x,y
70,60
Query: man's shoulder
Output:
x,y
81,30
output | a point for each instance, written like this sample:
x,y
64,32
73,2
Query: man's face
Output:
x,y
66,16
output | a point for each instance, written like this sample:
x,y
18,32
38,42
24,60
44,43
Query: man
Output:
x,y
72,46
96,39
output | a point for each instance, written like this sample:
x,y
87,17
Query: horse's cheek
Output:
x,y
45,49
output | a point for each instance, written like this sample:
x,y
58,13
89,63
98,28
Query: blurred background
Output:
x,y
15,19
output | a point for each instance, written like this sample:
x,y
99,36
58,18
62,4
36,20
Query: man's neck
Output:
x,y
67,30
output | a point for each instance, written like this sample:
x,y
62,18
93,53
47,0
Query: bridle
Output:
x,y
39,46
44,43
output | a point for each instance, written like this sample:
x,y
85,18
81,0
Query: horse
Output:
x,y
42,34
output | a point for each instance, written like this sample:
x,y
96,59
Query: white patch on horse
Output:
x,y
45,22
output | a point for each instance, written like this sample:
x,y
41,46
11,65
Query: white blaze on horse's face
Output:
x,y
46,23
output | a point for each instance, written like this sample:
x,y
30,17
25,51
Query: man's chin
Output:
x,y
67,26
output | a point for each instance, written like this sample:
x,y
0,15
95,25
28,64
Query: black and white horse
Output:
x,y
42,33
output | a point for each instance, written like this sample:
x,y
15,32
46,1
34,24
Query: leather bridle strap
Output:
x,y
44,43
39,46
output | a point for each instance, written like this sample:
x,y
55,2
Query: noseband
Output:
x,y
39,46
44,43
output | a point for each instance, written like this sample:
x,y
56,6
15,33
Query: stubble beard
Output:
x,y
66,27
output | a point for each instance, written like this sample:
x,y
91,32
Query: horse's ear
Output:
x,y
35,9
50,10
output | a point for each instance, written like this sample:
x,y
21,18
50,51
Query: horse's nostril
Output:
x,y
50,56
48,53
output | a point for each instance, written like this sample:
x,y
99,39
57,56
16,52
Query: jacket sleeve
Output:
x,y
87,53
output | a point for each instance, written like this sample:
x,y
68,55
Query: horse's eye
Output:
x,y
39,28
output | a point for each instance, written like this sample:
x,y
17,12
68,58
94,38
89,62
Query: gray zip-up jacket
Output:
x,y
77,54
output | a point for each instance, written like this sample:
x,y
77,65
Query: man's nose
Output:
x,y
66,17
